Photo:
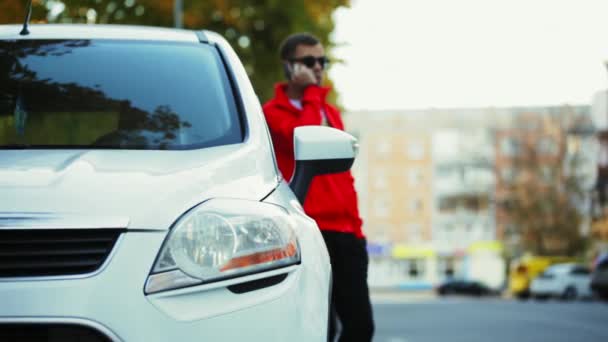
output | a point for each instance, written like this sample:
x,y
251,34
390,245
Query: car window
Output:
x,y
580,271
559,269
114,94
549,273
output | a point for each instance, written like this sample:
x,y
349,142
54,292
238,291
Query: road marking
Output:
x,y
396,339
387,301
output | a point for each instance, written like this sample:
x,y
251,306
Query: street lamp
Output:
x,y
178,13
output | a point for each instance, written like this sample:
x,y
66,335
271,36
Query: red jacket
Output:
x,y
331,200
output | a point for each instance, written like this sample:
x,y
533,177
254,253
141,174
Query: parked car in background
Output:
x,y
565,281
528,267
464,287
599,278
140,198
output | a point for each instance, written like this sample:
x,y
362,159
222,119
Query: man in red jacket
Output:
x,y
331,199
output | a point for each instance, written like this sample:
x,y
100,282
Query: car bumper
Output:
x,y
113,302
545,289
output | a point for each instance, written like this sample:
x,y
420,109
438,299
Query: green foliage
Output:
x,y
255,28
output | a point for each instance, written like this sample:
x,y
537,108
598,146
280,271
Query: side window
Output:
x,y
580,271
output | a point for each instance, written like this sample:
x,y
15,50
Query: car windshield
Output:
x,y
559,269
114,94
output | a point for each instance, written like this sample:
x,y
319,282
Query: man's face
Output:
x,y
315,51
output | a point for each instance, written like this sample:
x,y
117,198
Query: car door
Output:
x,y
580,278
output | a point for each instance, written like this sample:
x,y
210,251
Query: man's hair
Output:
x,y
289,45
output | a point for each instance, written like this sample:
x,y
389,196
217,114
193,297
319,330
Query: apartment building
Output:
x,y
429,182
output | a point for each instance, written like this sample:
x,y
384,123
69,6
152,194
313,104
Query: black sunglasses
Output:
x,y
310,61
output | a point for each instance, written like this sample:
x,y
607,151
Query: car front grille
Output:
x,y
34,332
54,252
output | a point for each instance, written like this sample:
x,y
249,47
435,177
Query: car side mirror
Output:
x,y
320,150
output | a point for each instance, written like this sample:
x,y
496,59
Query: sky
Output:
x,y
413,54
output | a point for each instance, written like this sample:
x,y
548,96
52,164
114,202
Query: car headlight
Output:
x,y
221,239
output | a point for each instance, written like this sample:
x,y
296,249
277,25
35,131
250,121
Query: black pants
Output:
x,y
350,294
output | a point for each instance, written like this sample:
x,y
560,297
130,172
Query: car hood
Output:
x,y
127,189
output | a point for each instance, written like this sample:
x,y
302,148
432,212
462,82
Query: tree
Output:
x,y
543,201
255,28
13,11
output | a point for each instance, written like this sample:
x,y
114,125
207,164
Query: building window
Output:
x,y
414,177
415,150
415,268
468,228
508,174
474,203
547,146
380,178
414,232
383,148
509,146
415,205
447,204
381,207
446,267
488,232
412,268
381,233
454,232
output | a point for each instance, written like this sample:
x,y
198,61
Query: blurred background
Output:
x,y
255,28
483,127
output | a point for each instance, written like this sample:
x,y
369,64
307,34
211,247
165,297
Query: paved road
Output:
x,y
492,320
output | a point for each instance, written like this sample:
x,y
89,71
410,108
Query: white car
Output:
x,y
565,281
140,199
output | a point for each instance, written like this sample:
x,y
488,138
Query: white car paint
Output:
x,y
145,192
82,31
310,143
566,281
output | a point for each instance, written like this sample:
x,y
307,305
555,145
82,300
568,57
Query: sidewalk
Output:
x,y
387,296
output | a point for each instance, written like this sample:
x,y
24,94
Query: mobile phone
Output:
x,y
288,70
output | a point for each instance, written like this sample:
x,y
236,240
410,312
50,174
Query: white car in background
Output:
x,y
565,281
140,196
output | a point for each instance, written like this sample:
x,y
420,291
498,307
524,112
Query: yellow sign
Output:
x,y
412,252
485,246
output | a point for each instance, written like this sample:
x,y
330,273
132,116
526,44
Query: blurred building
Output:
x,y
393,174
428,182
463,195
425,181
599,114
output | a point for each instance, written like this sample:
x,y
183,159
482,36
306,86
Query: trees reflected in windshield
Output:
x,y
69,93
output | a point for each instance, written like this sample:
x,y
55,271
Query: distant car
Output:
x,y
565,281
140,198
525,269
464,287
599,278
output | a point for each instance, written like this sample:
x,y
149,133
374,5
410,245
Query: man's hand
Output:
x,y
302,76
